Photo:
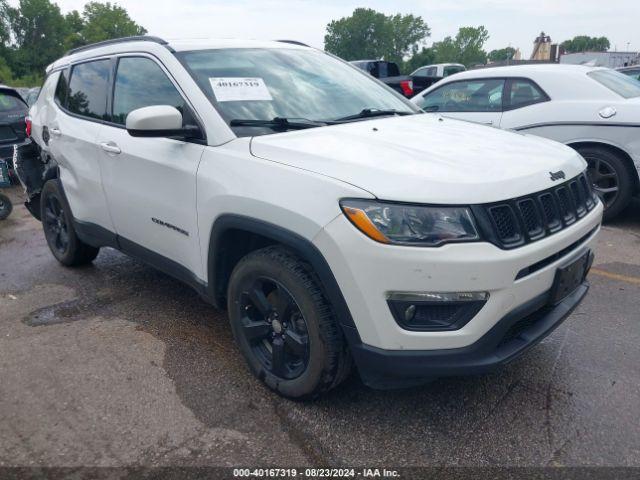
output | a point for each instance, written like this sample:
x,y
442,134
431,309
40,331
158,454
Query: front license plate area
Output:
x,y
568,278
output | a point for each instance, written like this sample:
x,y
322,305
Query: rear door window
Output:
x,y
88,89
523,92
140,82
450,70
62,89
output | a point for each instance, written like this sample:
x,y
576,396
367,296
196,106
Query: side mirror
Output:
x,y
159,121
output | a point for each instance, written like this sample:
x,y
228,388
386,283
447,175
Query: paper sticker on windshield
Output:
x,y
237,89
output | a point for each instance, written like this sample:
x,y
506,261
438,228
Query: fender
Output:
x,y
300,245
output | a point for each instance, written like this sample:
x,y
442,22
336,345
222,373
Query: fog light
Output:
x,y
429,311
409,313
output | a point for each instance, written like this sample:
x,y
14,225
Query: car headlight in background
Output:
x,y
400,224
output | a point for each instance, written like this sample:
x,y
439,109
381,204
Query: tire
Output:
x,y
275,303
5,206
58,228
610,177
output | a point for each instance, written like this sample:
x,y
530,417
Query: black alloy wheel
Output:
x,y
614,180
59,230
274,328
605,180
56,225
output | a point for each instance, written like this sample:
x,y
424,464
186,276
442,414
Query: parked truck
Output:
x,y
389,73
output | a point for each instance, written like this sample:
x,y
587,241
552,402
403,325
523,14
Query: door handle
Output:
x,y
110,147
55,131
490,122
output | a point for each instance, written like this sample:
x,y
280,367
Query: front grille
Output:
x,y
532,217
505,222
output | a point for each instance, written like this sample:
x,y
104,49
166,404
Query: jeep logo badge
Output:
x,y
556,175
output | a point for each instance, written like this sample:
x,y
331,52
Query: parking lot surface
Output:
x,y
117,364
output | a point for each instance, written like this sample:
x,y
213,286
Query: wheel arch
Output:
x,y
615,149
234,236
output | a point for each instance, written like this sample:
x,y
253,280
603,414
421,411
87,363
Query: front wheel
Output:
x,y
610,178
5,206
284,325
58,228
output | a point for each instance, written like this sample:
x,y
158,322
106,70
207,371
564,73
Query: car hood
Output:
x,y
424,158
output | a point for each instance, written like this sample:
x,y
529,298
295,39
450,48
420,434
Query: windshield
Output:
x,y
623,85
263,84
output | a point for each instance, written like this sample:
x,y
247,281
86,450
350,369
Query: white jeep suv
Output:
x,y
337,223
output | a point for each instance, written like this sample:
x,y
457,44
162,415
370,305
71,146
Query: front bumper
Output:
x,y
367,271
509,338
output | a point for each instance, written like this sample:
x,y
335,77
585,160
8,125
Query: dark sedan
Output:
x,y
13,127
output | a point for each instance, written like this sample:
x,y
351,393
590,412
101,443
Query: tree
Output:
x,y
37,31
368,34
75,25
6,75
407,33
5,25
104,21
502,54
424,57
584,43
469,42
465,48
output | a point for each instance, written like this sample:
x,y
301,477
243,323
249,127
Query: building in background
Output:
x,y
543,49
602,59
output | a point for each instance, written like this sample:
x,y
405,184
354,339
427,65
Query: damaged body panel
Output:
x,y
33,168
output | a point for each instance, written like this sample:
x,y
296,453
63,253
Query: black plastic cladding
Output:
x,y
519,221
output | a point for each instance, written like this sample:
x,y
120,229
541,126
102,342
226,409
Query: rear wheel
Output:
x,y
58,228
5,206
610,177
284,326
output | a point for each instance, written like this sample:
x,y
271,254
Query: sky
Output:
x,y
509,22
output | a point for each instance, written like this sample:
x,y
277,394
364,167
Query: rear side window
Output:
x,y
62,89
88,89
140,82
483,95
621,84
450,70
425,72
11,103
524,92
392,70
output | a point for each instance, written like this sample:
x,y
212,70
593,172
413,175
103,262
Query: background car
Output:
x,y
594,110
13,128
389,74
633,72
430,74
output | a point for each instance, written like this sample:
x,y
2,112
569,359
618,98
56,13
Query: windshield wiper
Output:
x,y
278,123
372,112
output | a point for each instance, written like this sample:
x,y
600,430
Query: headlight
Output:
x,y
400,224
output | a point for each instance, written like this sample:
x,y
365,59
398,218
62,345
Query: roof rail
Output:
x,y
293,42
138,38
